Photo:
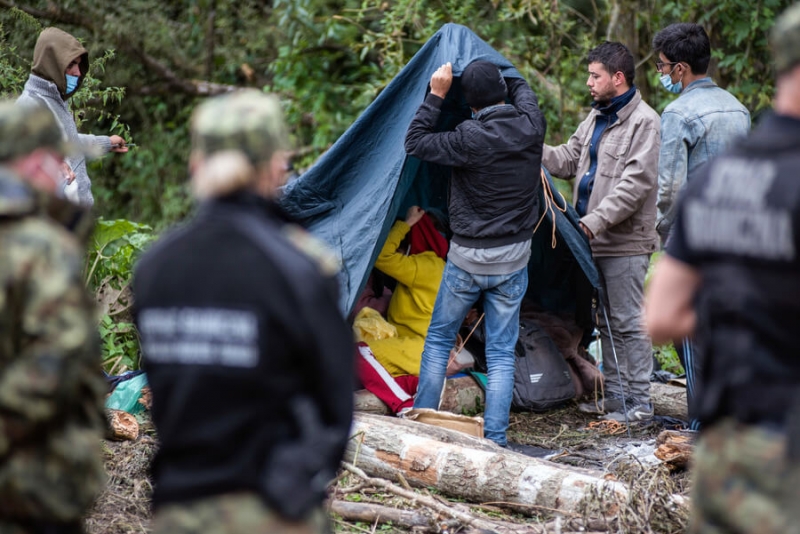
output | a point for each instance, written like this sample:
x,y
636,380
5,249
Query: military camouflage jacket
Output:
x,y
51,384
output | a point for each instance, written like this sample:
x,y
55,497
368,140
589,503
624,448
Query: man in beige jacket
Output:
x,y
614,157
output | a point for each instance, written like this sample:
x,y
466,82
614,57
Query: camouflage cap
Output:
x,y
785,39
24,129
246,120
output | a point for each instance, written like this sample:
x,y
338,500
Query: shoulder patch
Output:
x,y
315,249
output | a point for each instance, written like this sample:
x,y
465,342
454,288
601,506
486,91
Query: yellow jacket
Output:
x,y
418,277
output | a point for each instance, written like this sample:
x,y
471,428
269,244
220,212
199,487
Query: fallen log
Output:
x,y
468,467
669,400
121,425
464,395
376,513
455,511
674,449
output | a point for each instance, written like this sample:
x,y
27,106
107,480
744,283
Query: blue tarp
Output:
x,y
352,195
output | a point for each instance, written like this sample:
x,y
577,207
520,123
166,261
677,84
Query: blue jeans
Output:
x,y
502,295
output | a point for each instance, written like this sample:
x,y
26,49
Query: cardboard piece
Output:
x,y
472,426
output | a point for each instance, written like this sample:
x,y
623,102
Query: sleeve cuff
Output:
x,y
593,223
434,100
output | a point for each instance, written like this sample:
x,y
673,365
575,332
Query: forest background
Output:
x,y
153,61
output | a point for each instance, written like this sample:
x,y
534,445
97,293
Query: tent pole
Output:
x,y
616,361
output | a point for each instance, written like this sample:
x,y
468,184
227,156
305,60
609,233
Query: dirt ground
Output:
x,y
577,439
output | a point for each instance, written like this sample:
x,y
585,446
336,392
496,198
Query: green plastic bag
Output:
x,y
126,395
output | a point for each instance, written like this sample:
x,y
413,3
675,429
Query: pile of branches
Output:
x,y
360,503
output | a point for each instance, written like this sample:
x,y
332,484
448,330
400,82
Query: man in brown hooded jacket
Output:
x,y
60,64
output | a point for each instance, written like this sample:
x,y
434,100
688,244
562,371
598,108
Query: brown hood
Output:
x,y
54,51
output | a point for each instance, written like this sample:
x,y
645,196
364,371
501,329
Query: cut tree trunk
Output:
x,y
674,449
122,425
669,400
468,467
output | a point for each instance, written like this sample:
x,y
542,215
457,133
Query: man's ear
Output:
x,y
619,78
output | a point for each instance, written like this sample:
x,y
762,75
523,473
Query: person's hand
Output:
x,y
118,144
413,215
586,231
67,173
441,80
472,316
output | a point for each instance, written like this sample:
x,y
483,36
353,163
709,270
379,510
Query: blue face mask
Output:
x,y
72,83
666,81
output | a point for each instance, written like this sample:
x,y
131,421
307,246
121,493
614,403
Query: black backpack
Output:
x,y
542,379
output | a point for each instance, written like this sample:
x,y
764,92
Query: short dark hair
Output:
x,y
615,57
686,42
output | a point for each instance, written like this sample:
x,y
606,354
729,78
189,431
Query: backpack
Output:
x,y
542,378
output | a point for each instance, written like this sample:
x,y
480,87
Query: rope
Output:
x,y
460,348
549,203
611,428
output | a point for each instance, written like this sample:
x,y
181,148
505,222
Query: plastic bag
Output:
x,y
126,395
369,325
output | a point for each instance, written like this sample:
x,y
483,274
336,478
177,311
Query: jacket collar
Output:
x,y
497,108
702,82
627,109
41,86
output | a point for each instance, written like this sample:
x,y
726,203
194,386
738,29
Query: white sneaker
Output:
x,y
638,412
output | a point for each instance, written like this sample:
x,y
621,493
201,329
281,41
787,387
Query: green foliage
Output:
x,y
477,409
113,249
668,359
120,344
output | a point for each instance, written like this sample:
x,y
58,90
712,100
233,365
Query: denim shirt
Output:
x,y
702,122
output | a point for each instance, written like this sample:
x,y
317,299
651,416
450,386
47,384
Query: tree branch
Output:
x,y
54,13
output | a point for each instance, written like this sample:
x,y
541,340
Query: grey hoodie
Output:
x,y
47,85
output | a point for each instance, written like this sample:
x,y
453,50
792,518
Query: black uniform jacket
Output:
x,y
233,335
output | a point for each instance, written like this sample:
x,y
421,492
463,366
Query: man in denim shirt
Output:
x,y
698,125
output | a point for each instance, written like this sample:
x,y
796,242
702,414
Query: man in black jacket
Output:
x,y
249,359
493,210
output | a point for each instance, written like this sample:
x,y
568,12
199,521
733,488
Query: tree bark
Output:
x,y
674,449
472,468
122,425
371,513
669,400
